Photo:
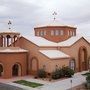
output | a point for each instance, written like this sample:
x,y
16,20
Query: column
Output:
x,y
7,41
12,41
1,41
17,40
4,42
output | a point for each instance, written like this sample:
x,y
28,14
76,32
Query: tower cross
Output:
x,y
54,15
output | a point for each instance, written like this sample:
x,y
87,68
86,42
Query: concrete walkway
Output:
x,y
65,84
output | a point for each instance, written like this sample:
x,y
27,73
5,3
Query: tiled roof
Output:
x,y
39,41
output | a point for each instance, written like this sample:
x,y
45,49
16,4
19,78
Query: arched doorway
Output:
x,y
16,70
83,63
34,65
1,70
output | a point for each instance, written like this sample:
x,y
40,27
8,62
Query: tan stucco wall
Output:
x,y
33,51
59,63
49,63
9,59
42,59
73,50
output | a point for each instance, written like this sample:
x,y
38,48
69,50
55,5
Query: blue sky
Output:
x,y
27,14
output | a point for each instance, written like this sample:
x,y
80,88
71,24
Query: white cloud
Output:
x,y
25,14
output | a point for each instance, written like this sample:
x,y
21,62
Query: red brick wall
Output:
x,y
9,59
55,38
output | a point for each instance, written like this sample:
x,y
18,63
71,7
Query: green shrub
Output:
x,y
63,72
56,74
41,73
67,72
87,84
88,78
86,74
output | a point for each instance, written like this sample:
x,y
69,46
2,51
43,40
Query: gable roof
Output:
x,y
54,54
87,38
70,41
40,41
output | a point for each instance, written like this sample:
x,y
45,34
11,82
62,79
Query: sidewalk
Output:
x,y
65,84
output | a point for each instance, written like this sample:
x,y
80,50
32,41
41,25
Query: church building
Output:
x,y
52,46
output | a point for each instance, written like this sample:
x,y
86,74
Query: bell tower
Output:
x,y
8,37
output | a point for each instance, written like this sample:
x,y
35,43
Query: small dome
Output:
x,y
9,31
53,23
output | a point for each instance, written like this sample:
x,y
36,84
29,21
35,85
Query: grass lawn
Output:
x,y
27,83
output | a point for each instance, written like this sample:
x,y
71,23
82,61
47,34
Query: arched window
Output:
x,y
72,64
44,33
8,40
73,34
41,33
56,32
68,33
37,33
61,32
52,33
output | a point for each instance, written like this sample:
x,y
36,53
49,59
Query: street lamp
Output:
x,y
71,83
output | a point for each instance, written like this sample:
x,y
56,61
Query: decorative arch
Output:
x,y
8,38
34,65
17,69
15,38
82,56
1,70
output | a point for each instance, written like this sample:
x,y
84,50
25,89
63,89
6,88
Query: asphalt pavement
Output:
x,y
9,87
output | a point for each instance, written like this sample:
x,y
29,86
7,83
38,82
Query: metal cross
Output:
x,y
9,24
54,15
